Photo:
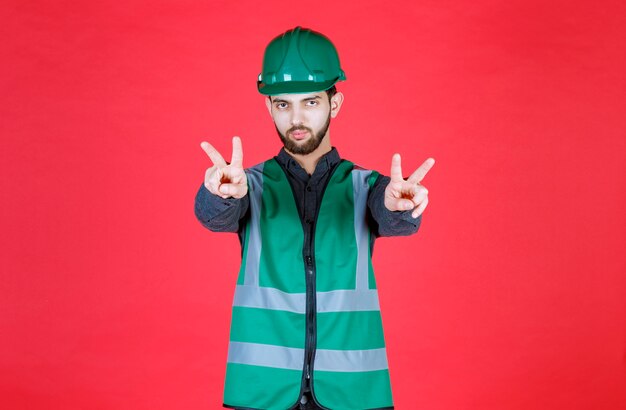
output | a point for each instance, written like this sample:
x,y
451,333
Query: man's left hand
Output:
x,y
403,195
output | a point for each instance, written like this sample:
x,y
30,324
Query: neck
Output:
x,y
309,161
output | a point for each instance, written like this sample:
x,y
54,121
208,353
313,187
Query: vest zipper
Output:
x,y
310,322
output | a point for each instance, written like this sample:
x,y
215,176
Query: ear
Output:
x,y
268,104
335,104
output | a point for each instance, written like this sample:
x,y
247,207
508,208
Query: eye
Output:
x,y
281,105
311,103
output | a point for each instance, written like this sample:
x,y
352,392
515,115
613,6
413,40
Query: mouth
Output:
x,y
299,135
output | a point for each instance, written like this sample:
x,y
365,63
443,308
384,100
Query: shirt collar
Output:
x,y
326,162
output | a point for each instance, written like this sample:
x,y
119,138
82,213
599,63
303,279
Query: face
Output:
x,y
302,120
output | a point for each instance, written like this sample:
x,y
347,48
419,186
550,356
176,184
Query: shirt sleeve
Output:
x,y
218,214
384,221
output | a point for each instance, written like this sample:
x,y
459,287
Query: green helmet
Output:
x,y
299,61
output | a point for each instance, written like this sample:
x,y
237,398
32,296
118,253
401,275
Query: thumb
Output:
x,y
234,190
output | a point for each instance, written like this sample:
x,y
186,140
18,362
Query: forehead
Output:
x,y
294,98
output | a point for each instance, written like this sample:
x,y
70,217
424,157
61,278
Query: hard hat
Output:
x,y
299,61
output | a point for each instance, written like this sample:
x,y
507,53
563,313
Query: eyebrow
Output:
x,y
304,99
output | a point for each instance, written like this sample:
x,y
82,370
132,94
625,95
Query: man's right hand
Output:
x,y
223,179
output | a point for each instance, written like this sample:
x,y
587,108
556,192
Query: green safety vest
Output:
x,y
266,353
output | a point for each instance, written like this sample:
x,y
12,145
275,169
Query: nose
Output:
x,y
297,117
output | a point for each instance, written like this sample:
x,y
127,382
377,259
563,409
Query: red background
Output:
x,y
511,296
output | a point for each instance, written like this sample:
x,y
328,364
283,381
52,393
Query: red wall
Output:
x,y
511,296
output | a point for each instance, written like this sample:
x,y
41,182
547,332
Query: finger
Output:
x,y
215,156
234,190
396,168
421,172
420,209
233,175
212,179
401,204
237,157
419,194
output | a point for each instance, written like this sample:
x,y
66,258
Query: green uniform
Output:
x,y
307,314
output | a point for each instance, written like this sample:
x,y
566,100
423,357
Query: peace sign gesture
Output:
x,y
401,194
223,179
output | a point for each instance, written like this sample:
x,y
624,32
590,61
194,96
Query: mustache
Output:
x,y
300,128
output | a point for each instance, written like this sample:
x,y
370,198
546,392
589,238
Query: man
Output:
x,y
306,329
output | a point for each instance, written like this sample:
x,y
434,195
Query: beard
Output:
x,y
309,146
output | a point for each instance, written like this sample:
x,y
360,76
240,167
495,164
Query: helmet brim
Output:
x,y
294,87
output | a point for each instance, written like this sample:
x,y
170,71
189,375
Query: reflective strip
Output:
x,y
347,300
332,301
269,298
257,354
253,256
350,360
361,188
